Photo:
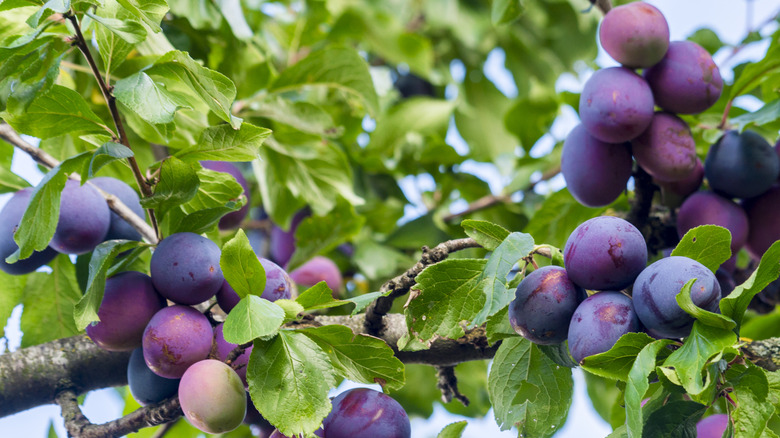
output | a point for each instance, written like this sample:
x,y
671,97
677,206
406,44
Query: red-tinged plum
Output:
x,y
655,292
232,219
763,228
616,105
278,285
741,165
364,412
223,351
675,192
666,149
129,303
725,281
175,338
712,426
318,269
707,208
543,306
605,253
119,228
635,35
599,322
10,216
686,81
185,268
212,397
596,173
146,386
283,242
84,219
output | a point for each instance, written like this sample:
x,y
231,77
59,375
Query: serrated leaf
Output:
x,y
506,11
150,12
637,384
755,72
709,245
362,301
750,390
419,116
528,390
498,326
241,267
149,100
736,303
223,143
674,420
618,360
252,318
359,358
112,48
559,353
130,31
453,430
768,113
303,116
320,234
13,292
487,234
705,317
29,72
201,221
48,8
106,154
318,297
289,377
178,184
215,189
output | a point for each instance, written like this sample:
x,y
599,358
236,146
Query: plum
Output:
x,y
146,386
725,281
362,412
605,253
224,348
185,268
84,219
763,228
741,165
119,228
212,396
599,322
282,242
10,216
543,306
616,105
686,81
657,286
675,192
232,219
666,149
175,338
278,285
410,85
129,303
596,173
635,35
707,208
318,269
712,426
256,421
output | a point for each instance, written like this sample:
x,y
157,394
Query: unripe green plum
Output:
x,y
212,396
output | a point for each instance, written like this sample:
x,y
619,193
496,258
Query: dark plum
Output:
x,y
616,105
599,322
119,228
596,173
278,285
318,269
741,165
146,386
657,286
410,85
666,149
605,253
707,208
686,81
129,303
224,348
725,281
364,412
10,216
763,228
232,219
212,397
635,35
675,192
712,426
282,242
84,219
260,426
175,338
185,268
544,302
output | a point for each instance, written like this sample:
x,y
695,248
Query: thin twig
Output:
x,y
603,5
448,385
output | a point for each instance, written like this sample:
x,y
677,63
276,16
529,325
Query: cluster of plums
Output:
x,y
617,108
607,255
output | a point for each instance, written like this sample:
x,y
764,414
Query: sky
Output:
x,y
729,19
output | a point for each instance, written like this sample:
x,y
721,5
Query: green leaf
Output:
x,y
252,318
736,303
318,297
768,113
707,318
637,384
303,116
362,301
13,291
11,182
675,419
506,11
453,430
320,234
241,267
148,99
530,118
559,215
336,67
216,189
130,31
223,143
708,39
150,12
756,72
709,245
107,154
359,358
498,327
85,311
528,390
113,49
487,234
289,377
48,303
178,184
29,71
559,353
618,360
420,116
48,8
292,309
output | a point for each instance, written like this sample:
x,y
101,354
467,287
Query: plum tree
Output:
x,y
146,386
599,321
365,412
212,396
175,338
185,268
635,34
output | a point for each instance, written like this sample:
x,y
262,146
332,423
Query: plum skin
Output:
x,y
185,268
712,426
599,322
278,285
146,386
223,349
741,165
365,412
282,243
707,208
84,219
675,192
605,253
666,149
175,338
543,306
234,218
635,34
10,216
119,228
657,286
212,396
763,228
318,269
129,303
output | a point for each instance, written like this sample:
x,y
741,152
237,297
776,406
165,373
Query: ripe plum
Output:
x,y
707,208
185,268
599,322
741,165
175,338
10,216
635,34
84,219
364,412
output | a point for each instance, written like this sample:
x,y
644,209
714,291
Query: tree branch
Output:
x,y
603,5
448,385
